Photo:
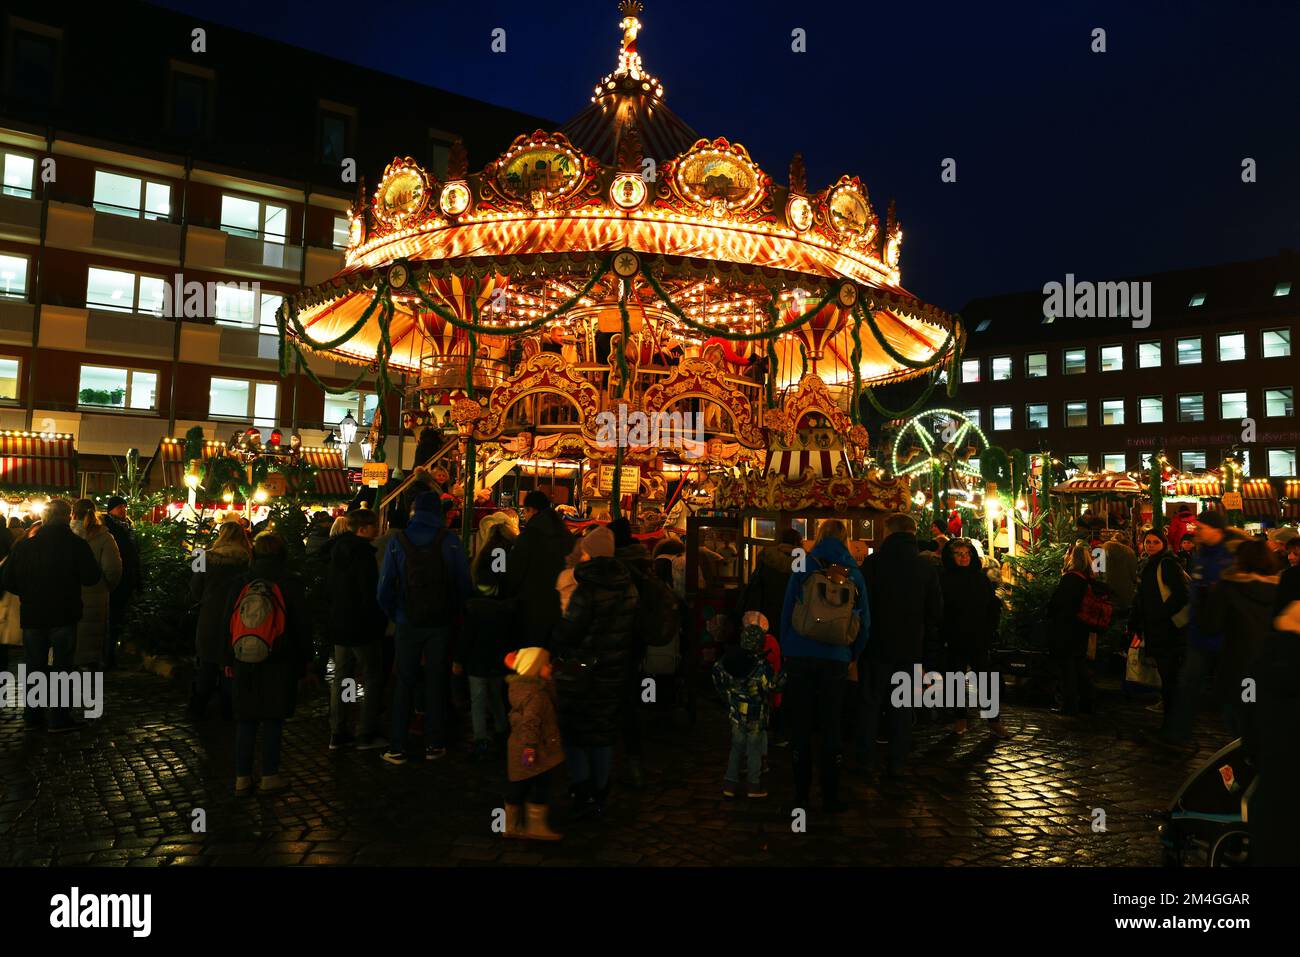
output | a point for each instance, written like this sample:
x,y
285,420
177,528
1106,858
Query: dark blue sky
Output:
x,y
1103,165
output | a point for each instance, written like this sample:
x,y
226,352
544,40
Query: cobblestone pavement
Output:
x,y
123,792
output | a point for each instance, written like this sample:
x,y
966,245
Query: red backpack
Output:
x,y
1096,609
257,622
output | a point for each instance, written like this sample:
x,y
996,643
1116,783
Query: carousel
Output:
x,y
639,317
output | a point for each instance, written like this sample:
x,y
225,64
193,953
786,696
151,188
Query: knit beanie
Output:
x,y
528,662
599,543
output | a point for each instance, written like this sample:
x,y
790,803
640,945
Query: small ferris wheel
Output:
x,y
938,441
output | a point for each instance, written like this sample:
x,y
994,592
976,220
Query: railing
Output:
x,y
406,482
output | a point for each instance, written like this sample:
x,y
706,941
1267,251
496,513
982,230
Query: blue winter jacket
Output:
x,y
421,530
829,551
1208,566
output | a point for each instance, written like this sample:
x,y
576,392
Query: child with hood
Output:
x,y
747,682
534,749
489,632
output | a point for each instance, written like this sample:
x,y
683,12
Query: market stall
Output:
x,y
34,466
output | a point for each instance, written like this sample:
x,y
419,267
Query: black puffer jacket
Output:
x,y
971,607
535,562
906,602
1241,607
352,577
211,589
1067,634
766,589
269,689
1153,615
597,629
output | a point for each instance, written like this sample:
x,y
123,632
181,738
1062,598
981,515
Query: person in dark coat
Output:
x,y
906,614
765,591
1160,615
490,632
594,651
356,629
47,572
537,559
971,610
225,560
318,533
1241,606
1068,644
266,693
119,599
817,672
1271,734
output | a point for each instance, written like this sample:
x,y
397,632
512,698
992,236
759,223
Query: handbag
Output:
x,y
1140,673
1181,617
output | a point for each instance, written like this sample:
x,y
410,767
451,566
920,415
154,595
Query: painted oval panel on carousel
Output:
x,y
719,178
850,214
554,172
403,193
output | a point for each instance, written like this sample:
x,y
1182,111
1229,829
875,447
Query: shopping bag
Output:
x,y
1140,672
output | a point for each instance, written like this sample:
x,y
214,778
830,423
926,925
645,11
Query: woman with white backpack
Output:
x,y
1160,614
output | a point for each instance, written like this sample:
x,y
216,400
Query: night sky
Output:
x,y
1104,165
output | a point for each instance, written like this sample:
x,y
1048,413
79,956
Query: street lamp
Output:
x,y
331,441
348,433
365,449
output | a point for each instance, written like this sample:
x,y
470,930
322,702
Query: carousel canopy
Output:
x,y
1113,483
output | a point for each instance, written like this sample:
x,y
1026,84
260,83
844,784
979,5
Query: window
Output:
x,y
1276,343
970,370
1036,415
440,143
1232,405
1191,407
1001,417
334,134
34,63
341,232
1076,413
242,399
190,100
248,308
1112,411
118,291
13,276
984,325
1077,461
9,379
130,196
1197,300
1192,461
1282,289
1148,355
107,388
267,306
1277,402
974,416
18,173
253,219
1281,462
1114,462
1232,346
1151,408
1075,361
1189,351
1112,358
1144,460
1036,365
361,405
1001,368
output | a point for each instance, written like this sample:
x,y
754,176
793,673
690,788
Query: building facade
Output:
x,y
1207,370
166,182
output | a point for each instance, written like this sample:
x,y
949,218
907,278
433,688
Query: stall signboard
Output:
x,y
1232,501
629,481
275,484
374,474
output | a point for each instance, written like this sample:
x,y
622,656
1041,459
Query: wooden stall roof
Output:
x,y
45,461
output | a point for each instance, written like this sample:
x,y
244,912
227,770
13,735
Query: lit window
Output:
x,y
1189,351
18,174
268,305
1077,461
970,370
13,276
1036,365
1076,414
973,415
1282,289
1112,358
1148,355
242,399
1232,346
254,220
1151,408
1281,462
1036,416
9,379
1232,405
1191,407
1197,300
1276,343
1114,462
1001,368
118,291
1112,411
102,387
1277,402
341,232
1145,459
360,405
1075,361
1192,461
131,196
1001,417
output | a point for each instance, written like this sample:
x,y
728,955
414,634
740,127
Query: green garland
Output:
x,y
907,413
803,361
855,360
380,293
769,333
894,353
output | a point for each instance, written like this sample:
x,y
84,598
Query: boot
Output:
x,y
243,785
1000,729
514,821
273,782
537,829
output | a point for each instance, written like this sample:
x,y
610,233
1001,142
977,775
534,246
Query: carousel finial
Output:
x,y
798,175
629,149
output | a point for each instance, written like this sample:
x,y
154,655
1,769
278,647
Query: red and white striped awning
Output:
x,y
1204,487
171,464
1113,482
331,479
791,464
30,460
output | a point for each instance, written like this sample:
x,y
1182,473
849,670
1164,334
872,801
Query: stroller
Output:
x,y
1206,822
